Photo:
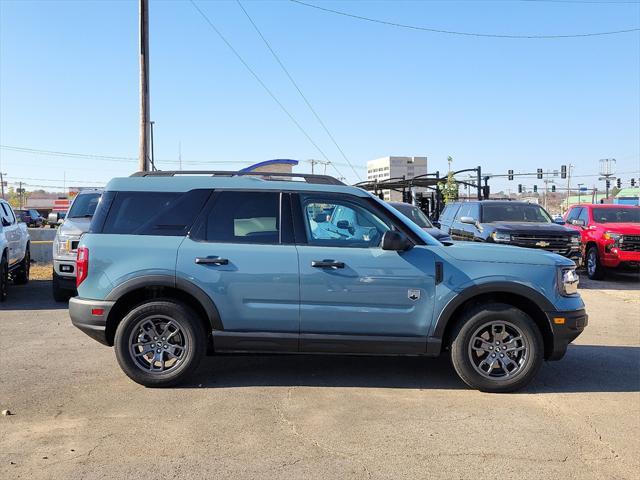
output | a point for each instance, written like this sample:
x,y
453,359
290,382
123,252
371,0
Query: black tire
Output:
x,y
59,294
595,270
4,277
465,357
132,329
21,274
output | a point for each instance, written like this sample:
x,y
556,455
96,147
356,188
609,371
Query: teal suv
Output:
x,y
178,265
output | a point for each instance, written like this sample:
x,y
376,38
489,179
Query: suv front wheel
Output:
x,y
497,348
160,343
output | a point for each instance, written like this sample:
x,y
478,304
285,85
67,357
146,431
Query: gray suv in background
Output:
x,y
65,244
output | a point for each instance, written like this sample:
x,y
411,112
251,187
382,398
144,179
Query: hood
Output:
x,y
492,253
437,234
623,228
75,226
520,227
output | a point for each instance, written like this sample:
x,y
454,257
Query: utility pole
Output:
x,y
569,167
143,160
2,183
579,191
20,194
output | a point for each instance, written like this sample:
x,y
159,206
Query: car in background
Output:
x,y
31,217
419,218
520,224
610,236
65,245
55,219
15,253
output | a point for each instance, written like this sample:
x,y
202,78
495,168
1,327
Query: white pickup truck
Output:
x,y
15,255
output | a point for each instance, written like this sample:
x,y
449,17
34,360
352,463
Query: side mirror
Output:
x,y
469,220
394,240
577,222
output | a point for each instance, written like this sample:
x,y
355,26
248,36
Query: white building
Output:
x,y
396,167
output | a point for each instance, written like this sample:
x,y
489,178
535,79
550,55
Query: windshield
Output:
x,y
514,213
84,205
415,214
616,215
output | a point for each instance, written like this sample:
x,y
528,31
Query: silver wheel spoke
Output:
x,y
156,352
498,350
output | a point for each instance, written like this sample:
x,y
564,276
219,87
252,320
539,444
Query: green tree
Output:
x,y
449,188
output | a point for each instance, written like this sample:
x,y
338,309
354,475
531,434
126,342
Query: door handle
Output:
x,y
326,264
211,261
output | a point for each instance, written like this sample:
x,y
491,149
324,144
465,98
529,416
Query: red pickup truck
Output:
x,y
610,236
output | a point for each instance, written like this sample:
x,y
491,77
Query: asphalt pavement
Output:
x,y
75,415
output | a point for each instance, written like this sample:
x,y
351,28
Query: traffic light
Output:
x,y
535,189
633,182
486,191
553,189
619,183
563,171
407,197
540,173
510,174
519,188
608,184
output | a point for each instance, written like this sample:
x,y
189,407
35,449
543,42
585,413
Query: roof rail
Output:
x,y
307,177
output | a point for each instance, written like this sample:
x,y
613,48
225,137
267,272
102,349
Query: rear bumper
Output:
x,y
566,327
82,312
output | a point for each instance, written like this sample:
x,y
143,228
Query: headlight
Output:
x,y
62,244
612,236
568,281
501,237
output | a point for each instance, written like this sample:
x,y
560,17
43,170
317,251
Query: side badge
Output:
x,y
413,295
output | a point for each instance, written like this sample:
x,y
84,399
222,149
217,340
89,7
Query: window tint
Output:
x,y
616,215
584,215
415,214
450,211
342,224
152,213
573,214
84,205
465,211
502,212
244,217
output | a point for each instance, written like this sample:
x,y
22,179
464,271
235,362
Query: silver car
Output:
x,y
65,244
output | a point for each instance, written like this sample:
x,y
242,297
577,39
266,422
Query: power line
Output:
x,y
297,87
258,79
453,32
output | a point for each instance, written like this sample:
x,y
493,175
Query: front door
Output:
x,y
354,296
238,253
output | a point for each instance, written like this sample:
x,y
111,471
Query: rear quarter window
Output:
x,y
148,213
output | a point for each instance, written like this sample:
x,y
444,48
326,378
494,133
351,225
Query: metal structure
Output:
x,y
434,202
283,176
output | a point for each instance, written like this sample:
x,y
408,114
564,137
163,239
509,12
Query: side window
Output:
x,y
573,214
7,213
244,217
153,213
342,223
465,211
474,211
584,215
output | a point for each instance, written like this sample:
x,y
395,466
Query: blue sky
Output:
x,y
69,82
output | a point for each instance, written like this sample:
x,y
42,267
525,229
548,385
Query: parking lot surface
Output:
x,y
76,415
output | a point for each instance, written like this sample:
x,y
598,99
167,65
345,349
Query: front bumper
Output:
x,y
616,257
566,327
83,313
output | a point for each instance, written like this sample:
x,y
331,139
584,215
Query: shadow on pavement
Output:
x,y
613,280
35,295
585,368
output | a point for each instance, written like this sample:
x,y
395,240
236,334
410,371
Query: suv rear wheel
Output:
x,y
160,343
497,348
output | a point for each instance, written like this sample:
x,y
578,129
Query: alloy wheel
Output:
x,y
498,350
592,262
157,344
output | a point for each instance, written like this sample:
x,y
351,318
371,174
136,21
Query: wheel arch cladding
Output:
x,y
529,301
140,291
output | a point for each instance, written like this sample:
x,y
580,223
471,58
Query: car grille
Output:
x,y
630,243
552,243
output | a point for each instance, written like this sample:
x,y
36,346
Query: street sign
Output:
x,y
583,189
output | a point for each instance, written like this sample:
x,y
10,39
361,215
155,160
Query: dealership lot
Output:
x,y
76,415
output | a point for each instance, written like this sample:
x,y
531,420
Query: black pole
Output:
x,y
479,183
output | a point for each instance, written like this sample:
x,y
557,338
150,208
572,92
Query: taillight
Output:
x,y
82,265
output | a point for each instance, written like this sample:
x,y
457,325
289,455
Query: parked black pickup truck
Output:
x,y
521,224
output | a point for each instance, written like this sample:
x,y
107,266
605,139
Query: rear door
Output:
x,y
241,253
354,296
